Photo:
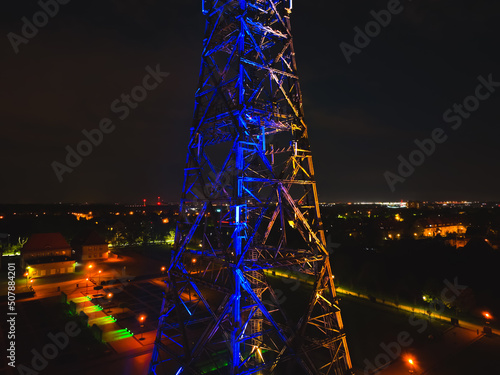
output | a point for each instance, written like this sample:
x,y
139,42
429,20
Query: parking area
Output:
x,y
131,300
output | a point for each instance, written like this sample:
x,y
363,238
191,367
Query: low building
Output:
x,y
89,246
431,227
46,254
49,266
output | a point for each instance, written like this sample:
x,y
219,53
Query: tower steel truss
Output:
x,y
249,215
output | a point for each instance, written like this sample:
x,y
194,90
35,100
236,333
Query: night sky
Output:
x,y
361,116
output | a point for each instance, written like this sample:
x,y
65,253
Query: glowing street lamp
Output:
x,y
488,317
89,268
99,280
412,364
142,319
109,296
26,274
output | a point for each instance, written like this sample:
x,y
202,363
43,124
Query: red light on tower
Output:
x,y
144,202
159,202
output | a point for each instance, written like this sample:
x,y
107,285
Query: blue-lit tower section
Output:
x,y
249,215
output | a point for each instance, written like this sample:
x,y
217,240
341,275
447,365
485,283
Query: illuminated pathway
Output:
x,y
416,310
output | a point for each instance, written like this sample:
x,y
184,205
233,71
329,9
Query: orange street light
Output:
x,y
142,318
412,363
90,266
488,317
162,269
110,295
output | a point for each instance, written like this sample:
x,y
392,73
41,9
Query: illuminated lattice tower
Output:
x,y
249,215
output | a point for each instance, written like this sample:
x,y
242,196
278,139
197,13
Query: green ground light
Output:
x,y
117,335
79,299
91,309
102,320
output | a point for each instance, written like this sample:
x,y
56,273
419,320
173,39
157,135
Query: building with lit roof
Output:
x,y
46,254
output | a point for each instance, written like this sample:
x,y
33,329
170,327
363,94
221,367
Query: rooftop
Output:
x,y
45,241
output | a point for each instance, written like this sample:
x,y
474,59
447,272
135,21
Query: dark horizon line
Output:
x,y
164,203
